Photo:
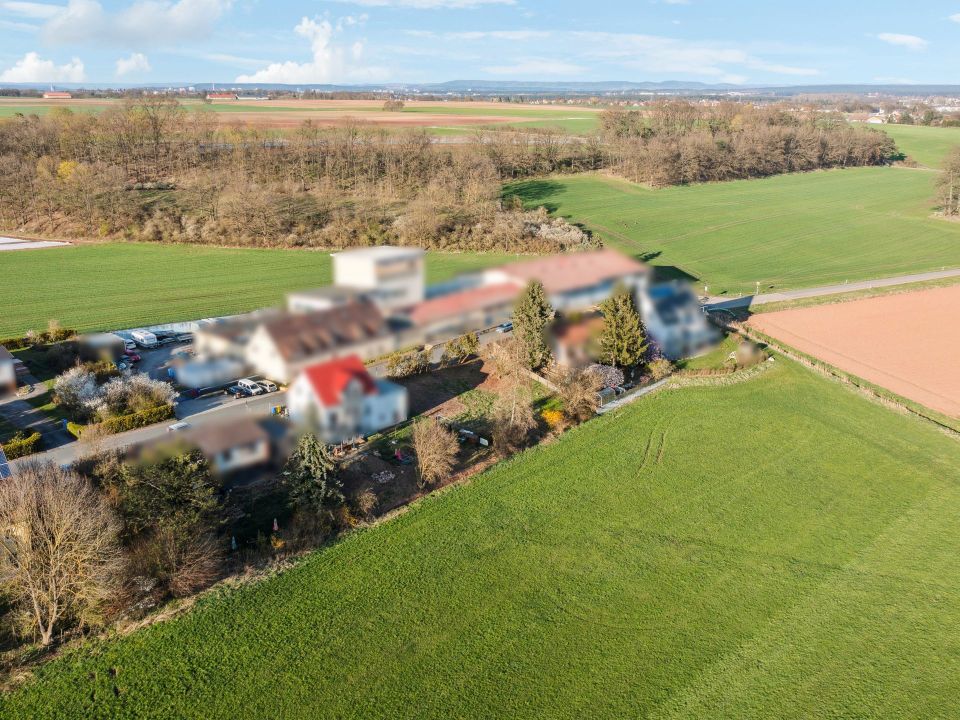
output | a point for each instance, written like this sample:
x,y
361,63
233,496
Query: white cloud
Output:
x,y
955,18
38,11
330,62
533,68
137,63
911,42
32,68
145,22
430,4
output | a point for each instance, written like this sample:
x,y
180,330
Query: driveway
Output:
x,y
24,416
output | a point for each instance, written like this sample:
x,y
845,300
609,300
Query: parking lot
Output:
x,y
158,361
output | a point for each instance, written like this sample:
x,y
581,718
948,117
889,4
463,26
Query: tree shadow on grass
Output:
x,y
534,193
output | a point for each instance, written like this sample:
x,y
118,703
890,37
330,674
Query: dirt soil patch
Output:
x,y
908,343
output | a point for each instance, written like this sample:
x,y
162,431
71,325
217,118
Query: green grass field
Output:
x,y
122,285
926,145
789,231
706,552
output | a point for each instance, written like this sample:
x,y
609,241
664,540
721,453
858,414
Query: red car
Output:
x,y
132,356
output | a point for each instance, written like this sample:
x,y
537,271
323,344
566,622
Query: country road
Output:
x,y
722,303
235,410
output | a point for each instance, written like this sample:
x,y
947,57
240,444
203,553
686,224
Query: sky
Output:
x,y
419,41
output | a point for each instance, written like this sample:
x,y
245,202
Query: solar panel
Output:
x,y
4,466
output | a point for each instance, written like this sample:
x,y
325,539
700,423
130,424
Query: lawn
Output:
x,y
789,231
926,145
123,285
772,559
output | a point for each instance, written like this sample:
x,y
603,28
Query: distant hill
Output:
x,y
535,87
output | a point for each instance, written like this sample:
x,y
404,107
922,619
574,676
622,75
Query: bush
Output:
x,y
401,365
553,418
21,445
16,343
54,335
659,369
122,423
459,349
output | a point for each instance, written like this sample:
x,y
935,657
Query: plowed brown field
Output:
x,y
908,343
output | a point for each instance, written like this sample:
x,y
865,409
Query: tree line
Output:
x,y
675,143
149,169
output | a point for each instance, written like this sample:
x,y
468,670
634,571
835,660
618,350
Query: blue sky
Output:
x,y
360,41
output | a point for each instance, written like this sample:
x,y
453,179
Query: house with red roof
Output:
x,y
340,400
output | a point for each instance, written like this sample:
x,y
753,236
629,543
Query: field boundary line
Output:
x,y
885,397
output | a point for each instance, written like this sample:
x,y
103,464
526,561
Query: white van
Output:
x,y
251,386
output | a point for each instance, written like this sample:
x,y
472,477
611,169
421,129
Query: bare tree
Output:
x,y
950,183
59,554
513,415
436,448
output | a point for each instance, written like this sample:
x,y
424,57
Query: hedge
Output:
x,y
42,338
122,423
135,420
22,445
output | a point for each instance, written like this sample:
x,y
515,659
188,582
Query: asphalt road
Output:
x,y
191,412
722,303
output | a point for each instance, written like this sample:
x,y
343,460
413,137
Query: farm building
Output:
x,y
221,96
340,400
57,95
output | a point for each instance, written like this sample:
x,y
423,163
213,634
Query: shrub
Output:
x,y
436,449
364,503
578,390
21,445
132,394
122,423
76,392
459,349
75,429
16,343
103,370
553,418
401,365
659,369
608,375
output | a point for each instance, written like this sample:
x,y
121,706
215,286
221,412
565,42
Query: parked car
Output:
x,y
121,365
267,386
129,345
505,327
251,386
178,427
237,391
132,356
